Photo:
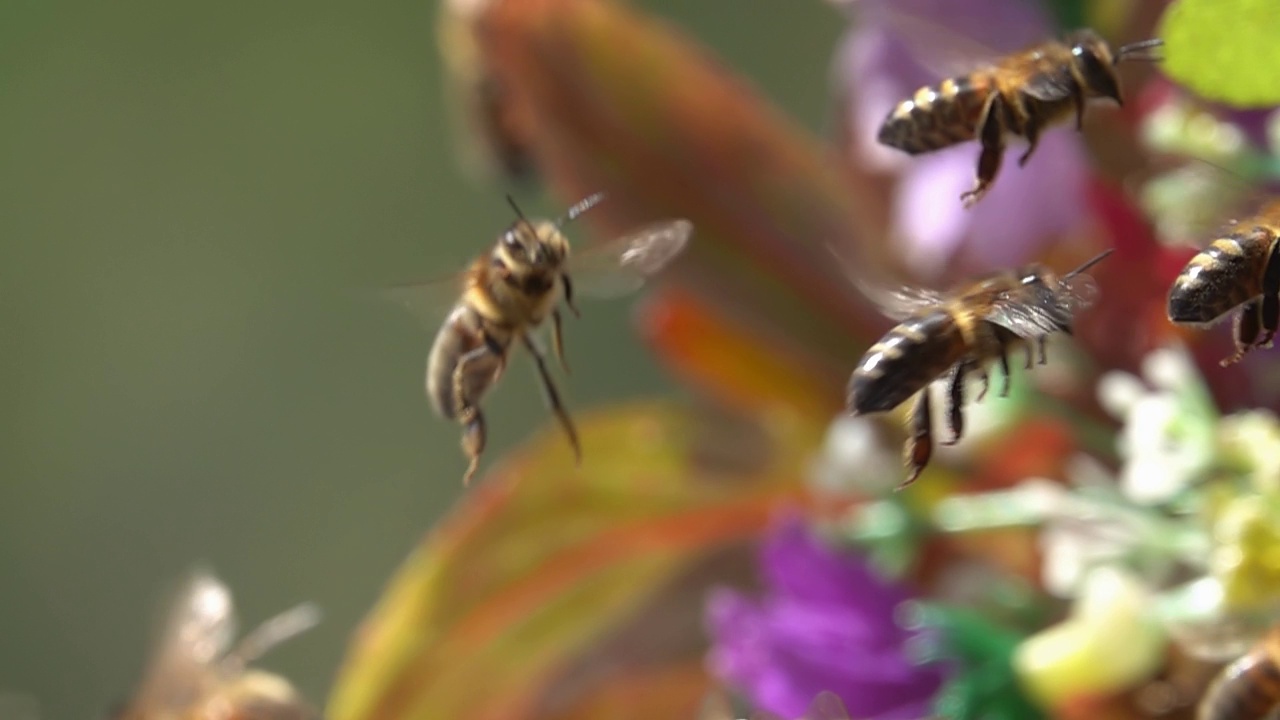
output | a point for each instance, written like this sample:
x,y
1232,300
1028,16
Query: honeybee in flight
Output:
x,y
962,332
1240,269
1249,687
195,674
509,291
1021,94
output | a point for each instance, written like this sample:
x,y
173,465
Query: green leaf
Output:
x,y
1224,50
554,589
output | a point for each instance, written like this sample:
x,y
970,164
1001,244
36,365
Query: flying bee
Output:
x,y
509,291
1240,269
1248,687
961,332
195,674
1021,94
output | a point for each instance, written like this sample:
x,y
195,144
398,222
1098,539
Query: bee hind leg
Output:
x,y
468,412
557,337
567,285
955,401
1245,331
1004,368
986,383
473,439
920,443
991,134
1032,133
553,396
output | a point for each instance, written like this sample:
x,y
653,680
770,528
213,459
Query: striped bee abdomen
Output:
x,y
1247,688
1223,276
904,361
936,117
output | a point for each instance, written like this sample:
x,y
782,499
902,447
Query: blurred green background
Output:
x,y
198,205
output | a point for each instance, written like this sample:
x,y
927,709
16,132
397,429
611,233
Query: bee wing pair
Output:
x,y
193,653
1031,311
609,269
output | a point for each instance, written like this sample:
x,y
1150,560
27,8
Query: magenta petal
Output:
x,y
1026,207
826,622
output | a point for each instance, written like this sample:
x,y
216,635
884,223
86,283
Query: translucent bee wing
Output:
x,y
274,631
896,303
197,631
903,302
1036,310
1079,293
620,266
954,44
430,300
827,706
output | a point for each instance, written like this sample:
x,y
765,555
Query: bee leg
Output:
x,y
1248,324
468,412
1044,352
1033,139
498,351
920,444
1077,96
1004,367
986,384
557,337
553,396
955,401
992,136
567,284
1270,300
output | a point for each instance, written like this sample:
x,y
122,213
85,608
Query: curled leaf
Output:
x,y
553,588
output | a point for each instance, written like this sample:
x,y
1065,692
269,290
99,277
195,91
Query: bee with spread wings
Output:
x,y
195,674
962,332
508,292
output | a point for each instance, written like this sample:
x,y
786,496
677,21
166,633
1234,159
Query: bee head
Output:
x,y
1095,65
538,246
530,246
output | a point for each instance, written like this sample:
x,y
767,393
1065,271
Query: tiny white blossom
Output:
x,y
1118,391
1168,438
855,457
1170,368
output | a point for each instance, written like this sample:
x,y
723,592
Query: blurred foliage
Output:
x,y
563,586
200,204
1225,50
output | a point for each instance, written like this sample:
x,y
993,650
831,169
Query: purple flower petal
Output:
x,y
1025,208
826,623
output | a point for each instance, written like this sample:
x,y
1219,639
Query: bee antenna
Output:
x,y
1094,261
1143,50
519,214
580,207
